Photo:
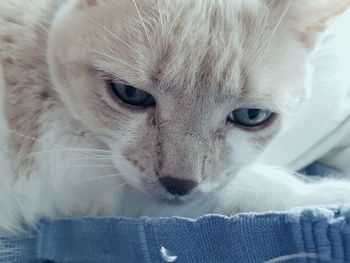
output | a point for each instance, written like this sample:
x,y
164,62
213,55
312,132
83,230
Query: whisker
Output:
x,y
258,41
143,25
47,143
47,169
26,136
118,38
116,59
283,15
86,151
99,178
88,158
273,33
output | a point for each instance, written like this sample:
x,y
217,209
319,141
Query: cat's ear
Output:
x,y
309,18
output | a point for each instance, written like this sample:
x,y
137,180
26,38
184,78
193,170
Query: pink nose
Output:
x,y
176,186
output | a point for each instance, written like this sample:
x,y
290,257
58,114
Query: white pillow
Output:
x,y
322,127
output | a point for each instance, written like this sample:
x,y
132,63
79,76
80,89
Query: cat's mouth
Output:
x,y
173,196
205,188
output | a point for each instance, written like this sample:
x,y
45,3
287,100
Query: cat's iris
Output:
x,y
131,95
250,117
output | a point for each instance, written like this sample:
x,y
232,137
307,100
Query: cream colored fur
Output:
x,y
69,150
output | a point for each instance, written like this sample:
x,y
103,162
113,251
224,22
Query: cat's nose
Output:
x,y
176,186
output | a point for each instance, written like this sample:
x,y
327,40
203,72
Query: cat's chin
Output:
x,y
177,199
167,198
162,196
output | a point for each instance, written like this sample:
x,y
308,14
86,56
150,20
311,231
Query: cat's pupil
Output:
x,y
130,91
253,113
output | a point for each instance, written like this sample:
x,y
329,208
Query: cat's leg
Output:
x,y
261,188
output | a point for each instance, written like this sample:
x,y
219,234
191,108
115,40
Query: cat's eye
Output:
x,y
250,117
131,95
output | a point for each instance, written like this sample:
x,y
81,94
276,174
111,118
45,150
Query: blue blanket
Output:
x,y
303,235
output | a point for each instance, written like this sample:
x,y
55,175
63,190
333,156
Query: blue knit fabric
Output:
x,y
323,233
310,235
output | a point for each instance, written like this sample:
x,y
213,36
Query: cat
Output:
x,y
152,107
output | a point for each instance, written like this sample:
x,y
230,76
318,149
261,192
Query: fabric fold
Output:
x,y
301,235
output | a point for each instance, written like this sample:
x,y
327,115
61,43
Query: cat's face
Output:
x,y
198,66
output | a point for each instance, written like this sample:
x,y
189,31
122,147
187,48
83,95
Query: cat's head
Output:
x,y
184,92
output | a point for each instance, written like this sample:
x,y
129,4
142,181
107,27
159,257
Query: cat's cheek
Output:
x,y
126,165
136,156
242,151
247,146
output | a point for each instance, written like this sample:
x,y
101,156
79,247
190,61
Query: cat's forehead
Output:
x,y
191,46
177,25
194,41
